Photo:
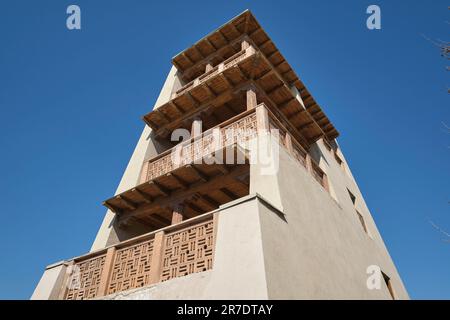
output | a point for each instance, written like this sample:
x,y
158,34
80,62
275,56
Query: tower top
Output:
x,y
224,42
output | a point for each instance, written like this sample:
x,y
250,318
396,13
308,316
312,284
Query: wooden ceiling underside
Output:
x,y
198,187
222,43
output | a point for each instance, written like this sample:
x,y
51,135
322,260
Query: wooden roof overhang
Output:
x,y
199,187
218,88
222,43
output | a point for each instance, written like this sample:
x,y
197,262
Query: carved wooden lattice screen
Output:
x,y
188,251
241,130
85,279
179,252
131,267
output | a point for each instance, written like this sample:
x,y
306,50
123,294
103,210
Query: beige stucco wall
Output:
x,y
146,148
321,251
50,284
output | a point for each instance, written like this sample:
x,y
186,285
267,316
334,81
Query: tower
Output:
x,y
256,202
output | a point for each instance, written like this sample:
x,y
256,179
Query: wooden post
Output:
x,y
208,67
251,97
144,171
157,256
245,44
106,272
65,282
262,119
288,143
215,226
196,128
308,163
178,213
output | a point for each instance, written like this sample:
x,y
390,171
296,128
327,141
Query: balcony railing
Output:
x,y
228,63
242,127
171,252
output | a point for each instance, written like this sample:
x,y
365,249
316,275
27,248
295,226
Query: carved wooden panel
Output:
x,y
240,130
84,280
131,267
188,251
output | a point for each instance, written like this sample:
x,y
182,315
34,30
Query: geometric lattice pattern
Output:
x,y
181,252
85,279
131,267
240,130
188,251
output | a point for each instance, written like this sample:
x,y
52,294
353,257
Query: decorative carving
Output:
x,y
84,280
184,251
131,268
188,251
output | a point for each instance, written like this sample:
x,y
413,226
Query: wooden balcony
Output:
x,y
191,179
221,42
168,253
211,92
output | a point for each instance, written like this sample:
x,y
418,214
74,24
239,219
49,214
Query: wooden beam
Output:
x,y
156,217
228,193
176,107
112,207
285,104
147,198
187,58
178,180
163,116
223,168
164,191
214,183
213,204
226,80
276,88
127,202
192,99
211,44
199,52
208,88
194,207
203,177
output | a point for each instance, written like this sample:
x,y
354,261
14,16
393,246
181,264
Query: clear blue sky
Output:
x,y
71,104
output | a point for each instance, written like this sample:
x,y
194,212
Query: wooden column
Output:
x,y
245,44
288,143
157,256
251,97
196,128
308,163
215,226
65,282
106,272
208,67
262,119
144,171
178,213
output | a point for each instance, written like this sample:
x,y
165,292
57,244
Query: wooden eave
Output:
x,y
201,187
222,43
219,88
